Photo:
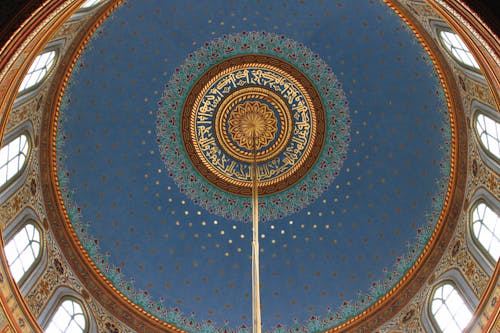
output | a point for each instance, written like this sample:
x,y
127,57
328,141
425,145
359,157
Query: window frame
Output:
x,y
59,305
486,155
11,179
28,215
435,288
23,96
12,184
82,12
50,69
442,29
454,277
32,267
477,249
58,297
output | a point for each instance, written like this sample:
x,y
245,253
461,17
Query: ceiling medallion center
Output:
x,y
252,125
253,95
253,84
253,112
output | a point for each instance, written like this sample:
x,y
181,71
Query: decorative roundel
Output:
x,y
253,97
253,104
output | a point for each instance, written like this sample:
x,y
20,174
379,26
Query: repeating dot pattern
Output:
x,y
311,261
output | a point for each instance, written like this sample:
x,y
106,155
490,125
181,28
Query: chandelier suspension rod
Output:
x,y
256,320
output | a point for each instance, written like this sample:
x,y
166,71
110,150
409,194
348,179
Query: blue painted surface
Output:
x,y
329,252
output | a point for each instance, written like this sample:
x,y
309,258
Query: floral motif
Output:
x,y
252,125
320,173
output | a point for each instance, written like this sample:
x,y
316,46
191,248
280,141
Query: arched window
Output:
x,y
68,318
449,310
486,229
39,69
488,131
458,49
12,158
23,250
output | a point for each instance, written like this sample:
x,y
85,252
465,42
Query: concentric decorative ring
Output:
x,y
218,149
245,86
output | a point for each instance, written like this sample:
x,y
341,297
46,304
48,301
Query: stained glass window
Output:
x,y
68,318
489,133
449,310
12,158
39,69
458,49
486,229
23,250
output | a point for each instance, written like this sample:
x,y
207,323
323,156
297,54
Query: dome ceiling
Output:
x,y
154,148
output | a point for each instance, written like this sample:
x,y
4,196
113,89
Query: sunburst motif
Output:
x,y
252,119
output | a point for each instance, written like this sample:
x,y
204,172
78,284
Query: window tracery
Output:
x,y
449,309
485,229
38,70
488,131
458,49
23,250
13,157
68,318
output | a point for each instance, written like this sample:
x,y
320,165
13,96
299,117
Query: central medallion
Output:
x,y
249,97
253,95
252,125
253,113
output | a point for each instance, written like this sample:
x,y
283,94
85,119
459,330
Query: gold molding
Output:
x,y
381,311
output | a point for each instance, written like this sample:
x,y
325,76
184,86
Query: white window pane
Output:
x,y
10,251
54,328
30,229
443,318
13,148
452,328
485,229
23,141
3,156
491,126
23,250
489,130
74,328
27,258
463,317
31,80
3,175
12,158
484,239
68,318
61,318
12,168
90,3
38,70
80,320
17,270
447,289
42,60
21,240
454,302
36,248
458,49
449,309
68,306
